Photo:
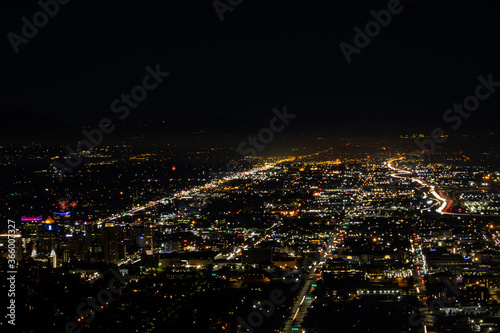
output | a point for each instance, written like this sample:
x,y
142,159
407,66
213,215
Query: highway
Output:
x,y
302,302
428,319
193,191
444,203
420,266
304,298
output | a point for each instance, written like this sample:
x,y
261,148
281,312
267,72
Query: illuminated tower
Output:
x,y
47,240
112,242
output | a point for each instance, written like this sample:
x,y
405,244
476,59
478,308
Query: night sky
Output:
x,y
264,54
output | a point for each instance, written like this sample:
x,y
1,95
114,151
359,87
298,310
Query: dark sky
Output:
x,y
264,54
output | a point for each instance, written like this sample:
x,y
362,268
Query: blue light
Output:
x,y
61,214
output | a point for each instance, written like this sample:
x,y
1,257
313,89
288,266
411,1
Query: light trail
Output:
x,y
194,190
432,188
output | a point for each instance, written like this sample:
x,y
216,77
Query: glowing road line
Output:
x,y
303,298
195,189
444,201
296,313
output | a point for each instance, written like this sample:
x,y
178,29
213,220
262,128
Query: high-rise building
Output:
x,y
17,246
112,242
47,239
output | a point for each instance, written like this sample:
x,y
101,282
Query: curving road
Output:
x,y
444,203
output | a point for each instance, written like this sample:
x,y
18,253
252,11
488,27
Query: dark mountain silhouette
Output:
x,y
19,126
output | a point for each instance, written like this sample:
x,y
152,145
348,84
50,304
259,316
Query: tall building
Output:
x,y
29,231
17,246
144,239
47,241
112,242
46,237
